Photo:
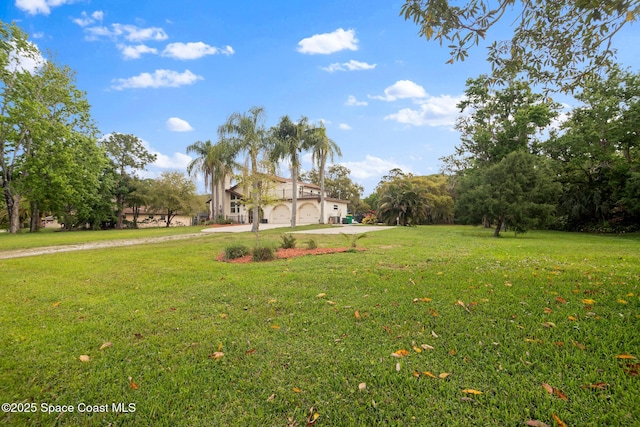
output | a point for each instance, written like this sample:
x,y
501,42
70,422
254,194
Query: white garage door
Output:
x,y
308,214
280,215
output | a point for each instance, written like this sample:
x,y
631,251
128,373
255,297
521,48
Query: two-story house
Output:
x,y
308,205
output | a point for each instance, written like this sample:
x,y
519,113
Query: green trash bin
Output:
x,y
349,219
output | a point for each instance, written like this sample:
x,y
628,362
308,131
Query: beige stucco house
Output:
x,y
308,205
150,218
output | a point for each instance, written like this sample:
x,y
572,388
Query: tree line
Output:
x,y
518,166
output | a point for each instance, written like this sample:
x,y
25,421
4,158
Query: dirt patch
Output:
x,y
289,253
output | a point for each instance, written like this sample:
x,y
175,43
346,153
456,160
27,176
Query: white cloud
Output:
x,y
34,7
131,33
175,161
353,102
86,20
135,34
349,66
194,50
402,89
160,78
344,126
433,111
135,52
329,42
175,124
371,167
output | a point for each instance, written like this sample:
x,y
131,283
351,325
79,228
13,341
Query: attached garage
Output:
x,y
308,214
280,215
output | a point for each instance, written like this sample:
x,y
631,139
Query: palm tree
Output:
x,y
215,162
401,203
246,133
290,140
322,148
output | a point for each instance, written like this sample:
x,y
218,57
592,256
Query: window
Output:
x,y
235,204
335,207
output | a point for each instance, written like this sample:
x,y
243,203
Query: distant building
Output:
x,y
308,205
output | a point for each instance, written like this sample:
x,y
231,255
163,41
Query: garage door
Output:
x,y
308,214
280,215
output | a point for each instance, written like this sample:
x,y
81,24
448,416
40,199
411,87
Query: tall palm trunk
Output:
x,y
294,196
321,173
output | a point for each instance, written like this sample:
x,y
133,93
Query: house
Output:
x,y
151,218
308,205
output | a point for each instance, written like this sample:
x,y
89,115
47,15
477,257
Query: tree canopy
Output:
x,y
556,43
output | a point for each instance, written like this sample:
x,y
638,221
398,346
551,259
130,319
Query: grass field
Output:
x,y
428,326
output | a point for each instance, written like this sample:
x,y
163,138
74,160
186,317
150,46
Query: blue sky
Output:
x,y
170,72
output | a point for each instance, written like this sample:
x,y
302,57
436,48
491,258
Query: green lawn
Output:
x,y
195,342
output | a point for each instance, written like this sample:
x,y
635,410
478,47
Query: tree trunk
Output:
x,y
34,224
120,207
496,231
294,196
321,172
13,209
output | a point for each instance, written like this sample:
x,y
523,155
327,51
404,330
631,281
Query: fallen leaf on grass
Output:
x,y
362,386
463,305
386,328
426,346
275,326
429,374
444,375
270,398
536,423
313,417
433,334
321,295
132,384
625,356
84,358
398,367
471,391
554,391
572,318
632,369
588,301
547,310
558,421
223,315
400,353
216,355
106,345
597,386
357,314
577,344
561,300
621,301
549,325
433,312
55,304
253,350
422,300
331,302
417,349
296,390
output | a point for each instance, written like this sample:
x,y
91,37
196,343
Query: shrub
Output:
x,y
263,253
233,252
311,244
288,241
352,239
370,219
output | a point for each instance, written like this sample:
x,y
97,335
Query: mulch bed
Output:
x,y
289,253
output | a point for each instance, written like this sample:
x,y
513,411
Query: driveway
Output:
x,y
335,229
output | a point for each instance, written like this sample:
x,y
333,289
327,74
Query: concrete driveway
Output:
x,y
336,229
